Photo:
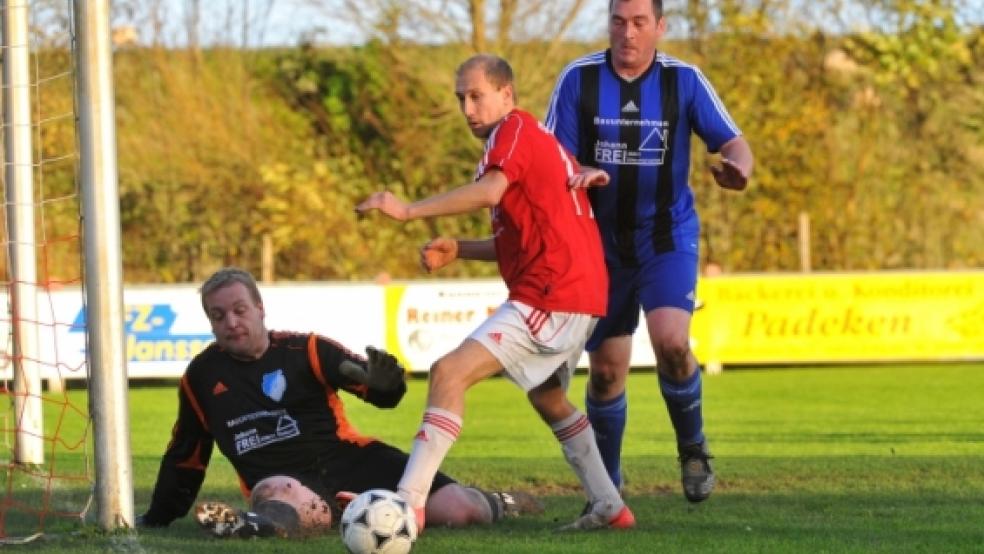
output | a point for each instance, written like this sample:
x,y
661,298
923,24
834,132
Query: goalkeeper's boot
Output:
x,y
516,503
594,520
696,474
222,520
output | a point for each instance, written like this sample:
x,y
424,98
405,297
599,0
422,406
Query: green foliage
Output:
x,y
380,111
195,130
876,136
926,82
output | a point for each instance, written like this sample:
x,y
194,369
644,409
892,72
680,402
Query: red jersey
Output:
x,y
546,239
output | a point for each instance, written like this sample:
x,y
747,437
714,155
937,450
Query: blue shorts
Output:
x,y
665,280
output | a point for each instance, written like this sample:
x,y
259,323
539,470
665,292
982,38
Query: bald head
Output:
x,y
496,70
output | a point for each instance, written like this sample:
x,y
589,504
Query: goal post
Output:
x,y
108,404
19,179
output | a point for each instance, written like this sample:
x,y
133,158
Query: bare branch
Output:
x,y
476,9
506,13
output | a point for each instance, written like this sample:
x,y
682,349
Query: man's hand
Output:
x,y
387,203
729,175
382,372
438,253
588,177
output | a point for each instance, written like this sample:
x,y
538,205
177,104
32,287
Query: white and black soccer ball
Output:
x,y
378,521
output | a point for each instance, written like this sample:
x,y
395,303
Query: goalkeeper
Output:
x,y
270,401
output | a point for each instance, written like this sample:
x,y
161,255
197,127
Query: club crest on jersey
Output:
x,y
275,384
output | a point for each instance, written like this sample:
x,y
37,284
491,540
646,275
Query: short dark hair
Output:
x,y
227,276
657,7
496,69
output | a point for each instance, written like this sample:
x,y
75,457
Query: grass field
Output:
x,y
839,459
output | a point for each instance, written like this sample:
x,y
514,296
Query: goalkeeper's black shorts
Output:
x,y
355,468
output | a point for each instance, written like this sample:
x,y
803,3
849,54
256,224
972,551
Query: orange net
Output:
x,y
46,477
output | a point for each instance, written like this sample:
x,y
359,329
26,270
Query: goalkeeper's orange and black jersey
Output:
x,y
277,415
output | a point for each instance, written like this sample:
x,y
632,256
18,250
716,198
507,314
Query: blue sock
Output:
x,y
608,419
683,402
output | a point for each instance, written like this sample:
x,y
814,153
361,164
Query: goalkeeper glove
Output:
x,y
382,371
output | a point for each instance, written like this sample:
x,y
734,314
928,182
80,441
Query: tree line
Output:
x,y
236,156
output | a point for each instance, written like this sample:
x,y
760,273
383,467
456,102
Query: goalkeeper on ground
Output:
x,y
270,401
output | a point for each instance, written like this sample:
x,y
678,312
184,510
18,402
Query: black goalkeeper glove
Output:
x,y
382,372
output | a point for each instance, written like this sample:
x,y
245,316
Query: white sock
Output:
x,y
438,431
577,440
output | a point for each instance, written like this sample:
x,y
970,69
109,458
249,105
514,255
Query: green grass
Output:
x,y
859,459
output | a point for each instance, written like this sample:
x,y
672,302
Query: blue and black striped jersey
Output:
x,y
639,132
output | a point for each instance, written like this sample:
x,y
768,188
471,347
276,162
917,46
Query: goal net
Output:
x,y
50,459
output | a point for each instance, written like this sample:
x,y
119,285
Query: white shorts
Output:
x,y
532,344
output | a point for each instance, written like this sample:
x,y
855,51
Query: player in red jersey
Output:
x,y
546,243
270,402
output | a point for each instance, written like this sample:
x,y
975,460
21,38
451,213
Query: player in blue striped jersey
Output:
x,y
631,110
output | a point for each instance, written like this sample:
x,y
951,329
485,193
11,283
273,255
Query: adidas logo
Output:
x,y
630,107
497,337
421,436
219,388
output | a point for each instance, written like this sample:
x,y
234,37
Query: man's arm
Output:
x,y
441,251
379,379
482,249
712,122
182,469
483,193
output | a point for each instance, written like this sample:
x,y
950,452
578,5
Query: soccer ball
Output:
x,y
378,521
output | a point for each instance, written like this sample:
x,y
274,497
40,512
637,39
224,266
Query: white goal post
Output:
x,y
19,181
108,404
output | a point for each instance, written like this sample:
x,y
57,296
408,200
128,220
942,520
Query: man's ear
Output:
x,y
660,27
510,93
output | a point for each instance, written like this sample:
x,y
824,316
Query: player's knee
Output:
x,y
291,504
604,378
277,487
444,378
550,401
673,358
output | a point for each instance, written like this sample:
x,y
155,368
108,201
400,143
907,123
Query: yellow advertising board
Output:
x,y
425,320
842,317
